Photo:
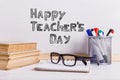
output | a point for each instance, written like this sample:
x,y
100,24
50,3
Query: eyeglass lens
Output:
x,y
69,60
55,58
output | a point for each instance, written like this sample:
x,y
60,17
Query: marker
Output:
x,y
100,33
93,32
89,32
96,31
110,32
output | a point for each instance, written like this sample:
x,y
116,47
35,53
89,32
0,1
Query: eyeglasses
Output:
x,y
67,59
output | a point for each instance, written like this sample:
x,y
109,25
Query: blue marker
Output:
x,y
89,32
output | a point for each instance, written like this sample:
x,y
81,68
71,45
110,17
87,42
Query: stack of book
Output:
x,y
15,55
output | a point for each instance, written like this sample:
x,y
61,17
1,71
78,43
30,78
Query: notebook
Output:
x,y
48,66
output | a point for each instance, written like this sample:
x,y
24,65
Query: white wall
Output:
x,y
15,22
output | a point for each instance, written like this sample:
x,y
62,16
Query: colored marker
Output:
x,y
93,32
96,31
110,32
89,32
100,33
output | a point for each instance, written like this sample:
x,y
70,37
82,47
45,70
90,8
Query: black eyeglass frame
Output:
x,y
61,57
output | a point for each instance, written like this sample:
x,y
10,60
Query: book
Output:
x,y
15,55
48,66
9,47
18,62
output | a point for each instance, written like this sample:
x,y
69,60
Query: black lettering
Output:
x,y
47,15
40,14
52,38
67,38
33,25
61,14
59,40
54,15
65,28
33,13
52,25
39,27
72,27
80,27
46,27
59,27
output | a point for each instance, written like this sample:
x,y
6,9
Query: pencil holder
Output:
x,y
100,48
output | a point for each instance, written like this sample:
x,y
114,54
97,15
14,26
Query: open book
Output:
x,y
48,66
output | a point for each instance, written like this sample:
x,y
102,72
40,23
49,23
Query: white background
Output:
x,y
15,22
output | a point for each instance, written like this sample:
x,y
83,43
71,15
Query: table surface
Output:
x,y
102,72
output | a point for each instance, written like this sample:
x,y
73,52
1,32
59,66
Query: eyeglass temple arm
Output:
x,y
84,62
84,59
81,57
